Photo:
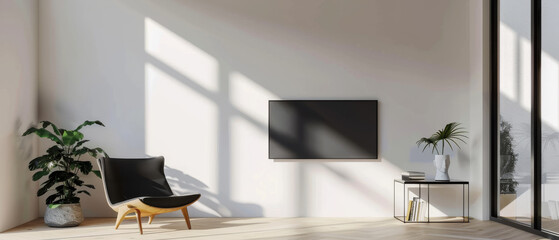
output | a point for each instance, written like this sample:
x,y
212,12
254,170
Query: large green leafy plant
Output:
x,y
451,134
62,162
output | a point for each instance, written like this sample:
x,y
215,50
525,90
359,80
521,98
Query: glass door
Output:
x,y
550,115
525,114
515,111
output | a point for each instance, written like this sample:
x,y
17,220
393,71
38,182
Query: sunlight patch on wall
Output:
x,y
249,97
256,178
181,126
181,55
549,88
508,62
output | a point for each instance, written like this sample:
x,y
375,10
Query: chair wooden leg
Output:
x,y
122,212
151,218
186,218
139,218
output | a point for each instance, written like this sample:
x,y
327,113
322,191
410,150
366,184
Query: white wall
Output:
x,y
18,97
190,80
479,109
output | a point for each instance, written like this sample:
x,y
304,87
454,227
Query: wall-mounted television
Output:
x,y
323,129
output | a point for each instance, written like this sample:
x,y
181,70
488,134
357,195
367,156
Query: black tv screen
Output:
x,y
323,129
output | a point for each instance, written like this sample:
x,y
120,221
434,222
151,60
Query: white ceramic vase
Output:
x,y
441,164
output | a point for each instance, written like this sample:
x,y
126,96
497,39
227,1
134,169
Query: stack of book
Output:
x,y
412,175
416,210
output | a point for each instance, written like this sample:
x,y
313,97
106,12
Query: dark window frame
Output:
x,y
536,160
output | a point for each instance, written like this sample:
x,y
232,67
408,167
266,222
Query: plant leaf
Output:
x,y
74,200
38,175
54,128
81,151
450,145
77,181
65,190
424,148
430,141
84,191
88,123
54,205
61,176
46,185
38,162
455,143
71,137
41,132
42,191
80,143
54,154
97,172
93,152
29,131
84,166
51,198
451,133
460,139
99,150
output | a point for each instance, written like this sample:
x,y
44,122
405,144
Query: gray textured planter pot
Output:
x,y
65,215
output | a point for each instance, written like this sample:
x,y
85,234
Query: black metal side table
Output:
x,y
465,200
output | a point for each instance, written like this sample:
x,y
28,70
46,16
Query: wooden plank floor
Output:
x,y
270,228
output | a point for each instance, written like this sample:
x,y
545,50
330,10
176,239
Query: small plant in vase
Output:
x,y
62,166
450,136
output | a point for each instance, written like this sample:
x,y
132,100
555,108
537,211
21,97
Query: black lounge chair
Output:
x,y
139,186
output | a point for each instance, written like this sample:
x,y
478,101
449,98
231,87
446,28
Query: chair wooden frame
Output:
x,y
143,210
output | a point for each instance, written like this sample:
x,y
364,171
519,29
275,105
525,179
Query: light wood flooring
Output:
x,y
270,228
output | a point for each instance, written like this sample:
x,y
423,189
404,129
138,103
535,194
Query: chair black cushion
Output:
x,y
171,201
126,179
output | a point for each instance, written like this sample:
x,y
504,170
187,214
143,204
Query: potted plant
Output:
x,y
62,166
450,135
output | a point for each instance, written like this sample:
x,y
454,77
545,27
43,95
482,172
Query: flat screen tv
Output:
x,y
323,129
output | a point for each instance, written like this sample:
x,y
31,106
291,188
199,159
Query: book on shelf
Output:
x,y
416,217
409,210
413,175
412,178
416,210
422,211
413,209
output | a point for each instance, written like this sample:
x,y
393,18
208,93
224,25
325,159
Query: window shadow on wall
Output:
x,y
206,101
